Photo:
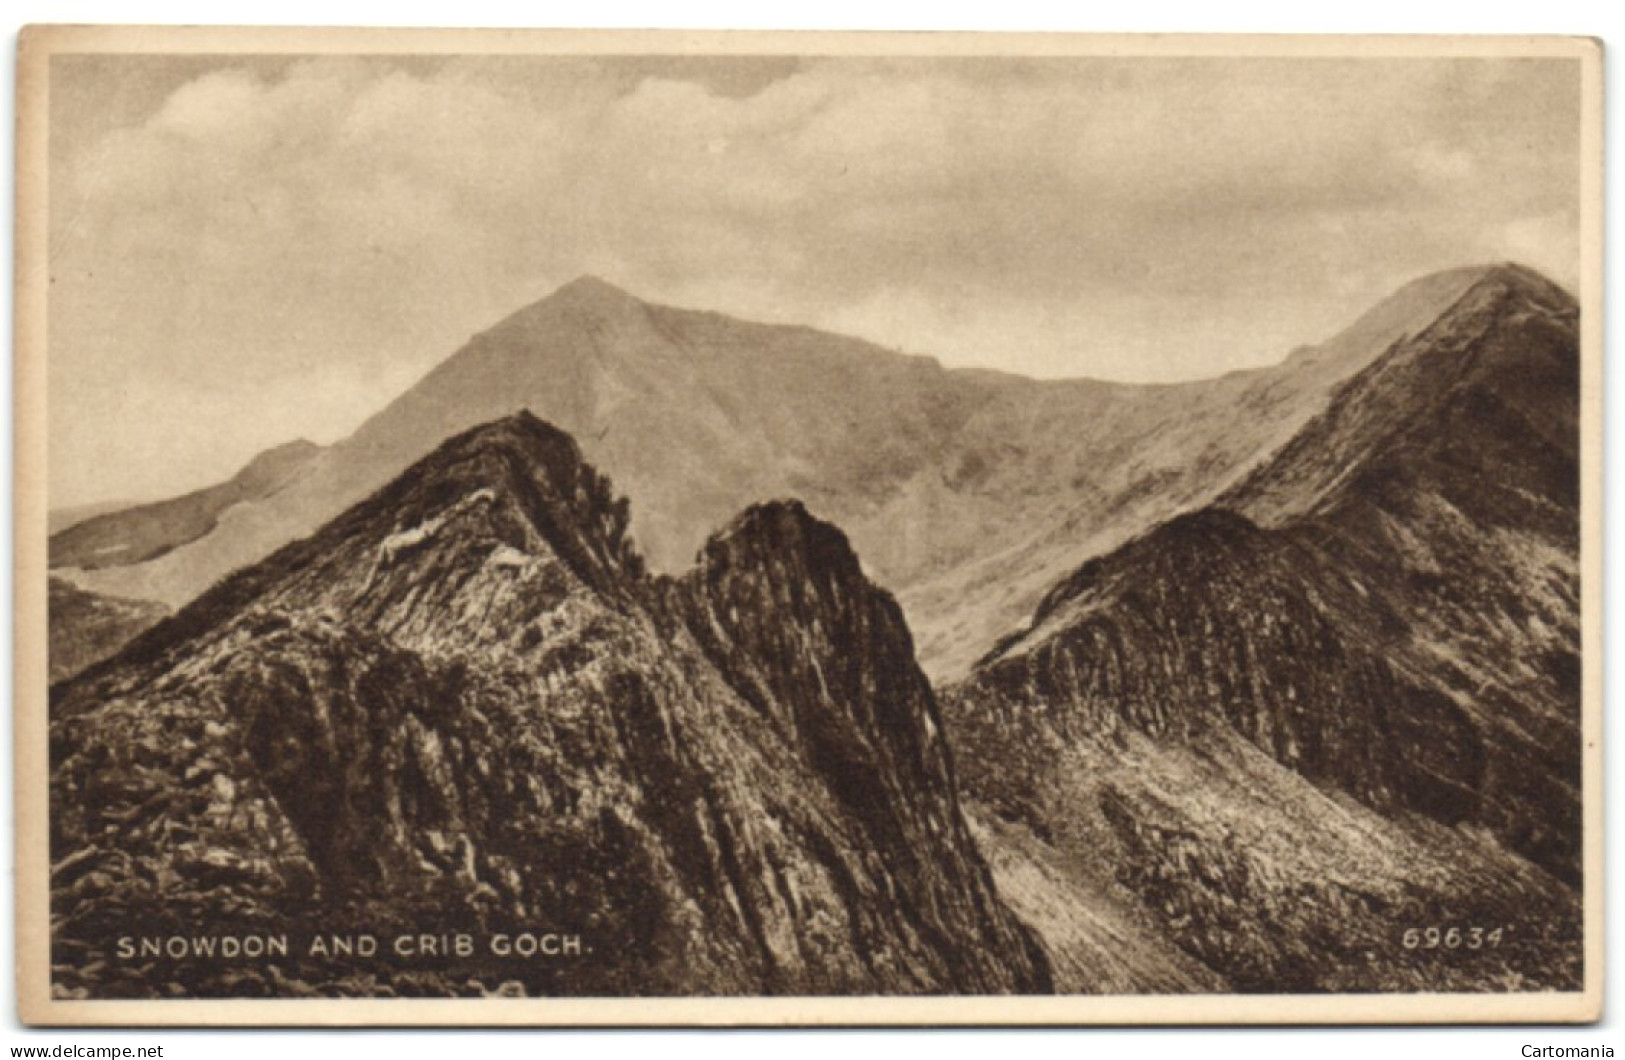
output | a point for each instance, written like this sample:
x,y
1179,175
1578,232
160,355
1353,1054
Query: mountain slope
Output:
x,y
127,536
1386,609
953,484
1460,505
86,628
462,707
87,625
59,519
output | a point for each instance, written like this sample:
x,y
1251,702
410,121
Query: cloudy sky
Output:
x,y
249,250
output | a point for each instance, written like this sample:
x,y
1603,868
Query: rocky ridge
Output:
x,y
86,627
1387,610
463,706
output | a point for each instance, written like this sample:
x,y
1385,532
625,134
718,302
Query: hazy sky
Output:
x,y
249,250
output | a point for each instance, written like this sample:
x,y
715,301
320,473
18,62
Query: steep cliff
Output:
x,y
462,708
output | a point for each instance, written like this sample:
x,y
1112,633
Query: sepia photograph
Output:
x,y
780,528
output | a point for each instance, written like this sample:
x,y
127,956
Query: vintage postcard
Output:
x,y
740,528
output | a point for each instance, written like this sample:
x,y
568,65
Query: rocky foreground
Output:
x,y
463,709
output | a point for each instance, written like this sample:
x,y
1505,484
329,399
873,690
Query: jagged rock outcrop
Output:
x,y
462,707
1387,609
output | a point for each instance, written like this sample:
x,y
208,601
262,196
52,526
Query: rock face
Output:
x,y
953,484
462,708
86,628
1387,609
1209,621
1447,476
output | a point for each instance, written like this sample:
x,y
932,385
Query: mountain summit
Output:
x,y
589,291
949,482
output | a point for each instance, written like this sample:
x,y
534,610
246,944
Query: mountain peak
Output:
x,y
1421,304
1511,276
769,533
500,447
523,423
279,460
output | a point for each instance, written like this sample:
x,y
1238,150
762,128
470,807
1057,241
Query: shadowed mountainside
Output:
x,y
1387,610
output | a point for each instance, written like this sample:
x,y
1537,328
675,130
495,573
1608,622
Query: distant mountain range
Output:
x,y
954,485
1242,682
137,534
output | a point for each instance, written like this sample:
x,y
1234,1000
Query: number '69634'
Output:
x,y
1451,938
